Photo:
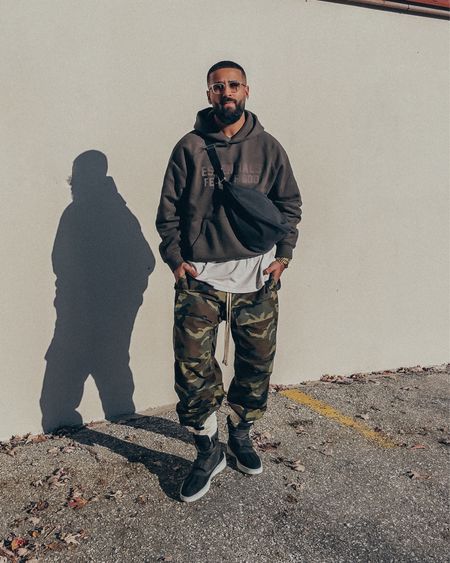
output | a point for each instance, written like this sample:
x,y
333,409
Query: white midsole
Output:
x,y
205,489
243,468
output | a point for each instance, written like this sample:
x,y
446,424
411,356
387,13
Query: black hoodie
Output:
x,y
191,219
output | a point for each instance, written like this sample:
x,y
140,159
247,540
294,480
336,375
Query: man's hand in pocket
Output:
x,y
183,269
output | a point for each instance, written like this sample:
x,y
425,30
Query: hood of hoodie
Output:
x,y
207,127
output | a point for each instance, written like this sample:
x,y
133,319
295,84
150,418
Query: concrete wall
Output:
x,y
360,100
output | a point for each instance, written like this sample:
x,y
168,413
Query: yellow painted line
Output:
x,y
330,412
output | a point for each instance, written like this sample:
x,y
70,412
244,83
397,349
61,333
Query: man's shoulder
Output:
x,y
273,148
190,142
271,142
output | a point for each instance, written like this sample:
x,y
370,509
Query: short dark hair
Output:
x,y
225,64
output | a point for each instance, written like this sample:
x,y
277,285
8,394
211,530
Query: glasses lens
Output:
x,y
218,87
234,85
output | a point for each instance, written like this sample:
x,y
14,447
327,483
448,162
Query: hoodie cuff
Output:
x,y
174,261
283,251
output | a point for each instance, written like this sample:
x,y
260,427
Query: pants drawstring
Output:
x,y
227,329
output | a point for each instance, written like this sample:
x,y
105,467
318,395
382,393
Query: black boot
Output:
x,y
241,448
210,461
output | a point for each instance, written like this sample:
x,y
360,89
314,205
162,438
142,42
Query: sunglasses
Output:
x,y
220,87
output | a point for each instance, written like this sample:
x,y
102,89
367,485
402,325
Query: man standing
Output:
x,y
218,278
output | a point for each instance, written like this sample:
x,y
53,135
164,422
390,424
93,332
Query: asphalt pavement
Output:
x,y
356,469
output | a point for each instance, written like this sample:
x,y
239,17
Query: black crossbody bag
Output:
x,y
257,223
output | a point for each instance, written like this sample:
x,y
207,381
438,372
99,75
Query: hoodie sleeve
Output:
x,y
285,194
168,217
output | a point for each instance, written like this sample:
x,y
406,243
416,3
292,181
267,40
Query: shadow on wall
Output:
x,y
102,263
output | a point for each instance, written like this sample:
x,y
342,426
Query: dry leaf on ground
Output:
x,y
295,465
55,545
36,533
36,438
72,538
8,449
36,506
413,474
360,377
18,543
58,478
76,499
38,483
93,453
114,495
264,441
276,387
77,503
336,379
300,425
296,486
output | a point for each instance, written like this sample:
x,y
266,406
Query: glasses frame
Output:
x,y
211,86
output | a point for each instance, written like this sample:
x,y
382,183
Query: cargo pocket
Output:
x,y
181,283
272,285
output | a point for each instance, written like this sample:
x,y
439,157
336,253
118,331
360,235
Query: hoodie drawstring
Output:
x,y
227,329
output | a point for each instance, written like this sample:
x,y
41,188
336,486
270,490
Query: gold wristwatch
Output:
x,y
282,260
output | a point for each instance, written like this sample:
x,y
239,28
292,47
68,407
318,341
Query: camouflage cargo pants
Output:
x,y
198,311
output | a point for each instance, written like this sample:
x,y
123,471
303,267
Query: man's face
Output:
x,y
228,106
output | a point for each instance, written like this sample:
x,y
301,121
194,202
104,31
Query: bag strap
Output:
x,y
211,150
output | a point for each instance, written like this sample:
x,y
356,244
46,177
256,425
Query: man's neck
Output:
x,y
231,129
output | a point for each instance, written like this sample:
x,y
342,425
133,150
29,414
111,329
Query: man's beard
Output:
x,y
229,115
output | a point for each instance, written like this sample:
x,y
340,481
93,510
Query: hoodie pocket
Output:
x,y
207,239
195,232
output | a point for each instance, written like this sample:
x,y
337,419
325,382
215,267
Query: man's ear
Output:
x,y
207,95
